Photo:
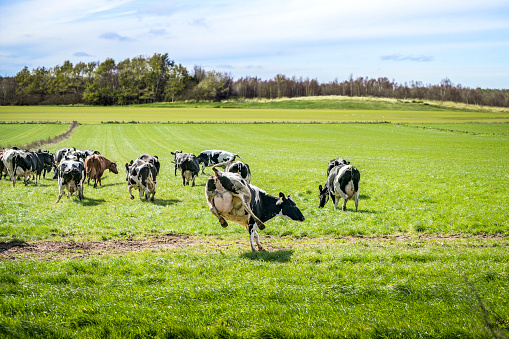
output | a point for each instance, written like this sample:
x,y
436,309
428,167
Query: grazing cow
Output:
x,y
213,157
47,161
95,165
71,176
231,198
343,182
336,162
25,164
189,167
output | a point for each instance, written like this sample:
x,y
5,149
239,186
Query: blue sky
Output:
x,y
464,40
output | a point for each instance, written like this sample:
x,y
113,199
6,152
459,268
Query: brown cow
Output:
x,y
95,165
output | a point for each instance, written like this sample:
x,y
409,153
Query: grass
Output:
x,y
432,207
22,134
313,109
416,181
340,289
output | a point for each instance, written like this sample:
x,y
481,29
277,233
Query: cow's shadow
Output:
x,y
280,256
164,202
105,185
91,202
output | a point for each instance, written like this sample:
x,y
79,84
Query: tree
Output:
x,y
178,79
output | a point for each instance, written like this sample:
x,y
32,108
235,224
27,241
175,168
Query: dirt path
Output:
x,y
50,250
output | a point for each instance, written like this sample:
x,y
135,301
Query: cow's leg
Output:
x,y
130,192
356,200
60,193
214,211
194,179
245,203
344,204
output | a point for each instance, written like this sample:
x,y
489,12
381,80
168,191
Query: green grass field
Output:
x,y
432,208
22,134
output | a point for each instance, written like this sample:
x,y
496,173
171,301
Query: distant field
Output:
x,y
22,134
291,110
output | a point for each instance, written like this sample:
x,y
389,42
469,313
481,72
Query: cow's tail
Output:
x,y
236,155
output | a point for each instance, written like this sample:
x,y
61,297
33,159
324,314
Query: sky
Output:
x,y
465,41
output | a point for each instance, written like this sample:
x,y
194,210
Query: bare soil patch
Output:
x,y
54,250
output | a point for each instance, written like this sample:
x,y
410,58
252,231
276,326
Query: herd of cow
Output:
x,y
230,194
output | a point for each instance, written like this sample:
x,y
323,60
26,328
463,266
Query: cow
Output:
x,y
71,176
95,165
153,159
7,158
25,164
3,169
237,167
213,157
59,155
177,155
336,162
231,198
47,159
342,182
189,167
142,174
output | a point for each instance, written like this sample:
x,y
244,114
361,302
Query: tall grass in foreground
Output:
x,y
345,289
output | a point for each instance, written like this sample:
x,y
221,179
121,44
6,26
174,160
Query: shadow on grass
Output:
x,y
277,256
165,202
364,197
105,185
91,202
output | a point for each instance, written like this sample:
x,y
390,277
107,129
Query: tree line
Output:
x,y
159,79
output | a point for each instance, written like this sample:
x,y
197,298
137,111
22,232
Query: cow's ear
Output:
x,y
320,188
172,153
282,196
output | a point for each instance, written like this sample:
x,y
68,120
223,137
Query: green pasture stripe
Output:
x,y
344,288
22,134
94,115
413,180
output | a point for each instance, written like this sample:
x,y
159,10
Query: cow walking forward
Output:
x,y
95,165
231,198
142,175
71,176
342,182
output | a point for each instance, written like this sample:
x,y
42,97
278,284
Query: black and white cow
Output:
x,y
153,159
336,162
342,182
71,176
26,164
47,159
177,155
231,198
189,167
142,175
212,157
59,155
7,158
237,167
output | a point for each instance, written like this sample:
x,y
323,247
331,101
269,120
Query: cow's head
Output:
x,y
127,170
113,167
288,208
323,196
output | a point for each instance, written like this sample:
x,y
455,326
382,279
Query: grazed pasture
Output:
x,y
431,208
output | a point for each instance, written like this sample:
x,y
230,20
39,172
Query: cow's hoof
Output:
x,y
132,197
224,224
261,226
